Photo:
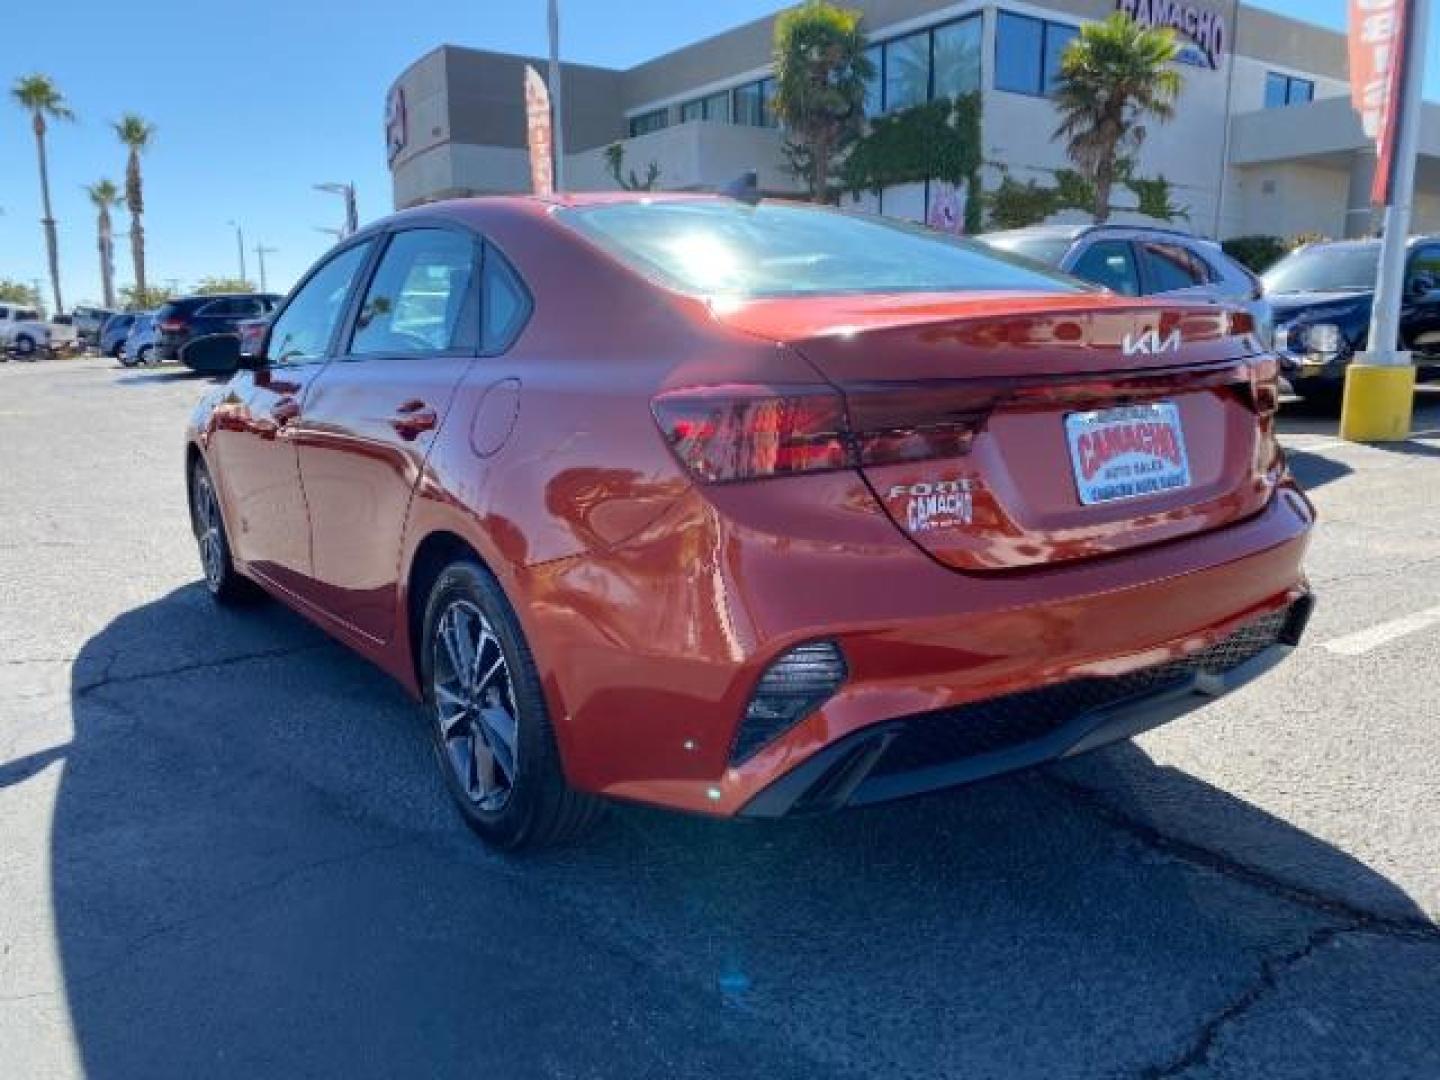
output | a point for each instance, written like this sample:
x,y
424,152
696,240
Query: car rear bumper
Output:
x,y
652,650
933,751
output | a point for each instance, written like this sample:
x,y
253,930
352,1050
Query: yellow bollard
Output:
x,y
1379,400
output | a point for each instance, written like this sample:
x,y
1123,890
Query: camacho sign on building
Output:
x,y
1204,28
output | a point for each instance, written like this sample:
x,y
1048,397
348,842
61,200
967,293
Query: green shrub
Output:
x,y
1258,253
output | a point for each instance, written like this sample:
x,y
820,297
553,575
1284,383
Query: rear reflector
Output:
x,y
726,433
792,687
172,326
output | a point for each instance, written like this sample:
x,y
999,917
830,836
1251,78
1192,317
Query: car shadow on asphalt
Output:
x,y
255,872
161,376
1314,469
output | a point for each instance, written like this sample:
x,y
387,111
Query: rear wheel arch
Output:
x,y
438,550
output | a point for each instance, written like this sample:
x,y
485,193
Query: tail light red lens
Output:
x,y
747,432
172,326
743,432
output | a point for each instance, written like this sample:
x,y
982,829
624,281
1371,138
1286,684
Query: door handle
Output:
x,y
413,418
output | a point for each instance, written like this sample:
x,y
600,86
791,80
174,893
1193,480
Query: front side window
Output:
x,y
1424,271
416,302
1028,53
1169,268
714,247
1110,263
304,329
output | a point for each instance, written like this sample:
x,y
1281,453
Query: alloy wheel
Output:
x,y
207,531
474,702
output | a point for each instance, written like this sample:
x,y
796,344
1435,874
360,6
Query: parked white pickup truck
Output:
x,y
24,335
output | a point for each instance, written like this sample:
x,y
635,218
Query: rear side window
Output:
x,y
1110,263
304,329
1170,267
505,304
417,299
728,248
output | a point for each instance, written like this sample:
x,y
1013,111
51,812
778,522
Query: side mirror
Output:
x,y
252,344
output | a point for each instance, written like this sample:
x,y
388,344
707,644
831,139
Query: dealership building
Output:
x,y
1264,139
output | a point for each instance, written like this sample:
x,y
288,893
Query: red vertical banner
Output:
x,y
538,123
1377,69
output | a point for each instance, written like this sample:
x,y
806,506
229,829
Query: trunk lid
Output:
x,y
1091,424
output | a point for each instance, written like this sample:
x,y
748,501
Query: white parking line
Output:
x,y
1363,641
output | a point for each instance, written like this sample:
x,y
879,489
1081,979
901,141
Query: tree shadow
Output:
x,y
255,872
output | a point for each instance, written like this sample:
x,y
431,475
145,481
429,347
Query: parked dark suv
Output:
x,y
181,323
1323,296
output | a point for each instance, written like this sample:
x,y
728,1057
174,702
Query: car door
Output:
x,y
1420,310
252,448
373,413
1110,263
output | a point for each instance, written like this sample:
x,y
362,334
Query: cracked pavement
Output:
x,y
225,850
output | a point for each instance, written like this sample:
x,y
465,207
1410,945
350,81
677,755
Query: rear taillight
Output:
x,y
172,326
1264,393
744,432
748,432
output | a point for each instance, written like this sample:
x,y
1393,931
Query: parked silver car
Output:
x,y
1142,261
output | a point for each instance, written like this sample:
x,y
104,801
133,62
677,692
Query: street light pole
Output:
x,y
240,248
260,252
346,192
557,108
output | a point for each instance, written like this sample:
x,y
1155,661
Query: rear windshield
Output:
x,y
778,249
1042,249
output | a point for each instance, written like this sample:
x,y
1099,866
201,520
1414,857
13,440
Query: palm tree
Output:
x,y
820,74
104,194
1114,75
136,134
41,98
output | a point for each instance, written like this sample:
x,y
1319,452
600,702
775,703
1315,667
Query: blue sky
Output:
x,y
256,102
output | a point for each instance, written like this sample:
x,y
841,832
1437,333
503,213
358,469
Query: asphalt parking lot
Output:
x,y
225,850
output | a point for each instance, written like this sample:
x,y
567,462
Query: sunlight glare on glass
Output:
x,y
707,260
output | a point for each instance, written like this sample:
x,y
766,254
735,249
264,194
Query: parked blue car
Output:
x,y
114,332
139,345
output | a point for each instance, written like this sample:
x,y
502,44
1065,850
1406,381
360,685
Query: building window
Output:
x,y
1028,53
1283,90
917,68
907,72
715,107
753,105
956,58
875,85
648,122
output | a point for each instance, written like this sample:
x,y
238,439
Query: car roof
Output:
x,y
1372,242
1076,232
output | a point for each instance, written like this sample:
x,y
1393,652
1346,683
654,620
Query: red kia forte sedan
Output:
x,y
749,509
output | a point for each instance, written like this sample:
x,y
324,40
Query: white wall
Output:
x,y
1288,199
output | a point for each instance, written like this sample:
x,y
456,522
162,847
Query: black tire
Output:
x,y
1325,400
24,346
539,809
224,583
